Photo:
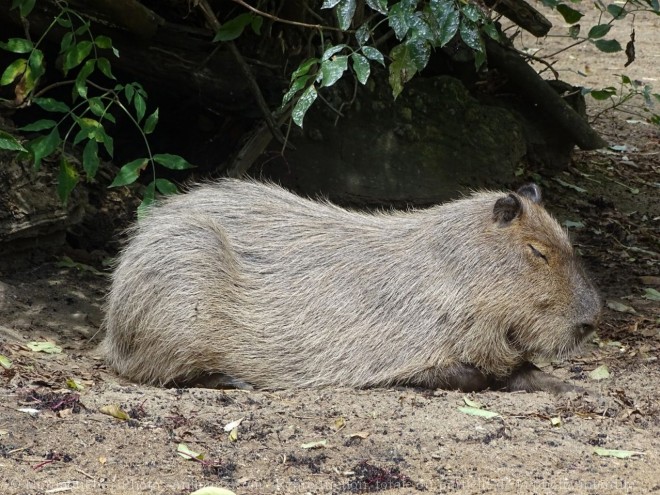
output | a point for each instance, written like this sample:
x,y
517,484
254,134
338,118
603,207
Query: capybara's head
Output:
x,y
540,289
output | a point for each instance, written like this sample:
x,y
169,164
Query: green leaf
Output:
x,y
17,45
620,454
44,146
140,106
24,6
173,162
150,123
491,30
9,142
296,86
129,91
602,94
75,55
599,31
570,15
373,54
472,12
332,50
574,31
81,79
608,46
147,199
332,70
36,63
102,137
448,19
91,158
328,4
51,105
13,70
44,346
378,5
103,42
362,34
550,3
471,36
129,172
66,42
165,187
67,179
361,67
304,67
256,24
651,294
402,68
104,66
96,106
65,23
420,52
345,11
39,125
482,413
398,19
302,105
233,28
616,11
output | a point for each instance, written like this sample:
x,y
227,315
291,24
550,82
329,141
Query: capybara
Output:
x,y
258,287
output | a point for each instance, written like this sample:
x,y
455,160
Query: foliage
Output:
x,y
82,121
423,26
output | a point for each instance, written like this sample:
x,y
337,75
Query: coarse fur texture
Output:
x,y
252,283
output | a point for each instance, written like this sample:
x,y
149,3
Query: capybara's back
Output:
x,y
253,283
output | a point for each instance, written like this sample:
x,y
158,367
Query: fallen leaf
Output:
x,y
74,384
339,423
570,224
315,445
29,410
472,403
556,421
234,424
359,434
620,307
620,454
5,362
115,411
212,490
571,186
600,373
649,293
183,450
44,346
483,413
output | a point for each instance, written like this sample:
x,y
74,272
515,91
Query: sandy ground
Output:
x,y
57,440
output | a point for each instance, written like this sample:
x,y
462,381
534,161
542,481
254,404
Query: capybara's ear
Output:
x,y
506,209
531,191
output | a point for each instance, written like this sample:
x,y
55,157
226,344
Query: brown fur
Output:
x,y
261,287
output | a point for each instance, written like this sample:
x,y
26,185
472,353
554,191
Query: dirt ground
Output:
x,y
57,440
